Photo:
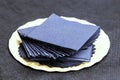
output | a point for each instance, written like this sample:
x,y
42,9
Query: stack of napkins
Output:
x,y
58,42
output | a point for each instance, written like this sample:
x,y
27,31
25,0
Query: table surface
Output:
x,y
104,13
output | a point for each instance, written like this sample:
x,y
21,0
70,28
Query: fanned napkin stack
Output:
x,y
58,42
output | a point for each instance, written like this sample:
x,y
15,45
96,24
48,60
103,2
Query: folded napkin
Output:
x,y
58,40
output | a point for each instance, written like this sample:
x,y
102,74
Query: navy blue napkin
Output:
x,y
74,60
57,39
63,33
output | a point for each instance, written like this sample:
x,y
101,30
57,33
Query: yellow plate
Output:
x,y
102,45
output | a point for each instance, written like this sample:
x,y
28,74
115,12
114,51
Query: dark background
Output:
x,y
105,13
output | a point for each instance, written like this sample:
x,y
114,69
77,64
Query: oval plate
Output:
x,y
102,45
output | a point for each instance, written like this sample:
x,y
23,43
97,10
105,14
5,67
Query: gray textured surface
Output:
x,y
105,13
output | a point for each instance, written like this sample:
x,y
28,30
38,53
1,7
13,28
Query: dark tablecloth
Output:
x,y
105,13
